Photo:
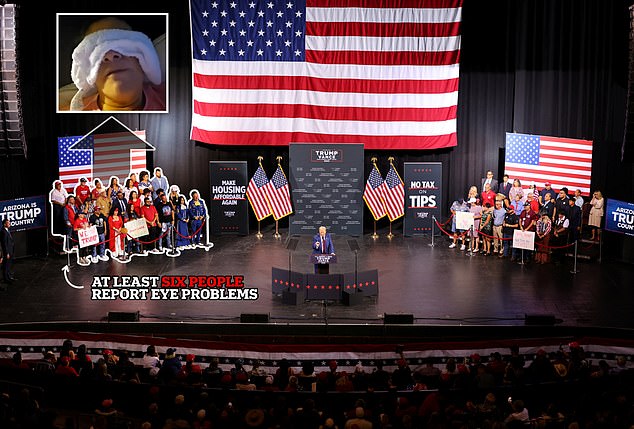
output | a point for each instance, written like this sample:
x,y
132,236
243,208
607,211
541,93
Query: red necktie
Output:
x,y
323,250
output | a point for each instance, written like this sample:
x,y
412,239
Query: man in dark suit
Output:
x,y
6,241
505,186
322,243
491,181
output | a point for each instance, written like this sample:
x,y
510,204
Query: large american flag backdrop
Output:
x,y
539,159
382,73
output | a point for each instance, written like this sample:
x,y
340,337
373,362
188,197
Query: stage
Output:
x,y
435,284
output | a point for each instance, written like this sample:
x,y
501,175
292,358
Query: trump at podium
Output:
x,y
322,243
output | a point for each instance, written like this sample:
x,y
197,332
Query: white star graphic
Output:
x,y
214,23
243,33
223,13
289,24
298,53
251,24
278,53
280,33
232,23
287,42
205,33
249,42
252,5
269,43
298,14
269,5
289,5
222,52
260,52
203,52
233,5
260,14
205,14
261,33
212,43
223,32
214,5
231,43
269,24
280,14
298,33
241,53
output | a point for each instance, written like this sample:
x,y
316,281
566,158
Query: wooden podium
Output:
x,y
323,261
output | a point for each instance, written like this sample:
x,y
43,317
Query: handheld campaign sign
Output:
x,y
523,239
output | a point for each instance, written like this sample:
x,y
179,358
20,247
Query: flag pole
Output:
x,y
390,235
374,159
259,234
277,232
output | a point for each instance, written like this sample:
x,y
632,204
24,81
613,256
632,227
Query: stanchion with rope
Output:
x,y
433,220
574,267
471,243
194,234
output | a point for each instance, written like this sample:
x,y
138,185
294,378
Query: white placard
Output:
x,y
464,220
88,237
523,239
137,228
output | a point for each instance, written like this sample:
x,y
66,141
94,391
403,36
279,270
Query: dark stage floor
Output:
x,y
439,286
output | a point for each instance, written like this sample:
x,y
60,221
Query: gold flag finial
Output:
x,y
374,159
391,158
279,159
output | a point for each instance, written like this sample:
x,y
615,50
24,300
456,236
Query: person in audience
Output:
x,y
183,219
144,182
578,198
504,188
113,188
491,181
103,201
527,221
402,375
151,362
547,190
80,224
549,205
116,241
561,204
57,197
70,213
151,218
159,181
82,191
100,221
543,227
596,215
488,196
97,189
379,378
457,206
486,227
174,195
476,209
472,193
560,236
574,216
166,218
516,190
511,223
498,223
64,368
518,418
517,204
122,204
359,421
197,213
532,200
128,188
171,366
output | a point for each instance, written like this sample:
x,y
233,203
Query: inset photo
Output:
x,y
112,62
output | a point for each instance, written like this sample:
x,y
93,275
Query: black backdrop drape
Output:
x,y
552,67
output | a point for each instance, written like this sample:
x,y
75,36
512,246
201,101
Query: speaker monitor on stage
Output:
x,y
398,319
123,316
254,318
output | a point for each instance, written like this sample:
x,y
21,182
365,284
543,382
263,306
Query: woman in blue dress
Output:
x,y
182,218
197,213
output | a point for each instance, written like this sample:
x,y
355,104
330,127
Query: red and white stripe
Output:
x,y
112,155
383,75
562,162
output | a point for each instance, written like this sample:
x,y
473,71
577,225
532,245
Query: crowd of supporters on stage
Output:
x,y
562,389
171,219
557,217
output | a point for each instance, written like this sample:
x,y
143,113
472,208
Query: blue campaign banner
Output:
x,y
619,217
423,196
24,213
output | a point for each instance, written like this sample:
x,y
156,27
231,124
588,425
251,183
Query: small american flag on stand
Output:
x,y
256,193
372,194
278,194
394,194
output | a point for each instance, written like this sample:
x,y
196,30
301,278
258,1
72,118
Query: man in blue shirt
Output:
x,y
498,221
